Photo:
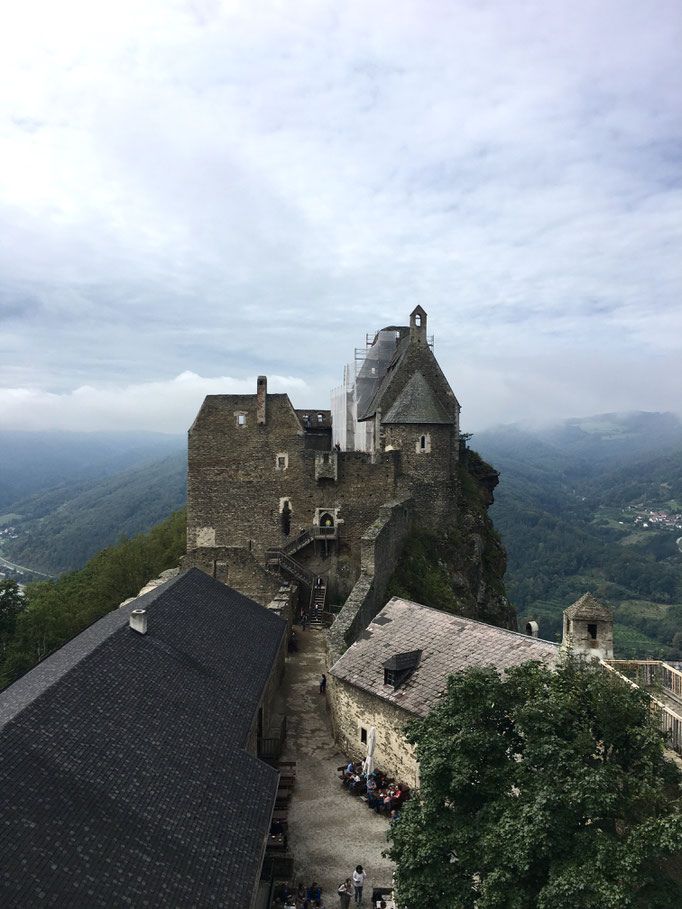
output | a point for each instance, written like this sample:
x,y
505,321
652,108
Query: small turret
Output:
x,y
418,326
588,628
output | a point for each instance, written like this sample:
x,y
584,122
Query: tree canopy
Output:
x,y
539,789
52,612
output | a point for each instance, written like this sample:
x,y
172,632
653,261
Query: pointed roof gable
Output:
x,y
417,403
587,607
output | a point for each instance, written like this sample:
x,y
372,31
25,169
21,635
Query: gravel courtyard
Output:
x,y
330,831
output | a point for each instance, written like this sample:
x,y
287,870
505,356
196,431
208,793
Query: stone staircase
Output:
x,y
318,599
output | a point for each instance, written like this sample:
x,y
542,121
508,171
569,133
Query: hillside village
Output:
x,y
211,742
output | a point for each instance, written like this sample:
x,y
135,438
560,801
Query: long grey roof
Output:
x,y
417,403
449,644
124,778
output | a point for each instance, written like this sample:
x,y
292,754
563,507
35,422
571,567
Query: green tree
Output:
x,y
539,789
55,611
11,604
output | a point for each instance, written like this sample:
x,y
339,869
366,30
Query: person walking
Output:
x,y
323,683
304,621
345,891
358,882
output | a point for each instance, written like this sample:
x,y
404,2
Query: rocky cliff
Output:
x,y
461,569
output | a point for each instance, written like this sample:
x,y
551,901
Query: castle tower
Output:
x,y
588,628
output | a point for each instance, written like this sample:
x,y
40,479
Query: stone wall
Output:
x,y
254,485
381,547
237,567
428,472
353,710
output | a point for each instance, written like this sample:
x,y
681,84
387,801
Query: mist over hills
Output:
x,y
569,507
79,492
35,461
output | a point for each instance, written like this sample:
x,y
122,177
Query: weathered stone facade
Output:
x,y
270,496
354,712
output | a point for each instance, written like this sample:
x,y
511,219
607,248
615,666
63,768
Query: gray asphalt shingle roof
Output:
x,y
124,780
449,644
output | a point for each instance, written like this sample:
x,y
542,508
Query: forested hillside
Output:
x,y
52,612
60,529
574,507
35,461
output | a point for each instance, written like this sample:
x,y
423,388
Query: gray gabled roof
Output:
x,y
417,403
587,607
449,644
124,778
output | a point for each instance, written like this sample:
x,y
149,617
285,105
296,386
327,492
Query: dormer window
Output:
x,y
400,667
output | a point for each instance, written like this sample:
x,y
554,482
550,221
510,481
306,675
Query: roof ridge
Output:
x,y
465,618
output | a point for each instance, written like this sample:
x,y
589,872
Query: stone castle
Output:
x,y
327,498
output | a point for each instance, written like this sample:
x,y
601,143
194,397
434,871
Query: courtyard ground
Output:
x,y
330,831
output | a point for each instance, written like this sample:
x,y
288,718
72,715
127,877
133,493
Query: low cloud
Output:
x,y
151,406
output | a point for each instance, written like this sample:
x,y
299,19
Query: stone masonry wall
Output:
x,y
381,547
237,567
352,710
426,472
242,477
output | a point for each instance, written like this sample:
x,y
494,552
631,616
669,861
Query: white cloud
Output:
x,y
249,187
151,406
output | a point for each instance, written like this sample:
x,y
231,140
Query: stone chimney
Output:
x,y
533,629
138,620
261,399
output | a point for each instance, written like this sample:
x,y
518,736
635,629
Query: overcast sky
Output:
x,y
193,193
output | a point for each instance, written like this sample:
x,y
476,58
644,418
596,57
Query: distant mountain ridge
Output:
x,y
81,491
566,508
35,461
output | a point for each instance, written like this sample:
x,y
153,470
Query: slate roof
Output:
x,y
448,643
417,403
375,402
123,775
587,608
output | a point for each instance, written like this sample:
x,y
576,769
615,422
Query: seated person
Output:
x,y
355,781
399,796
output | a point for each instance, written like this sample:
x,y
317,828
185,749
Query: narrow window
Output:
x,y
417,319
363,735
592,631
286,519
422,443
241,419
319,418
281,462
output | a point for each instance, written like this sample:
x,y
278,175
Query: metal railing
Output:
x,y
298,542
657,677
